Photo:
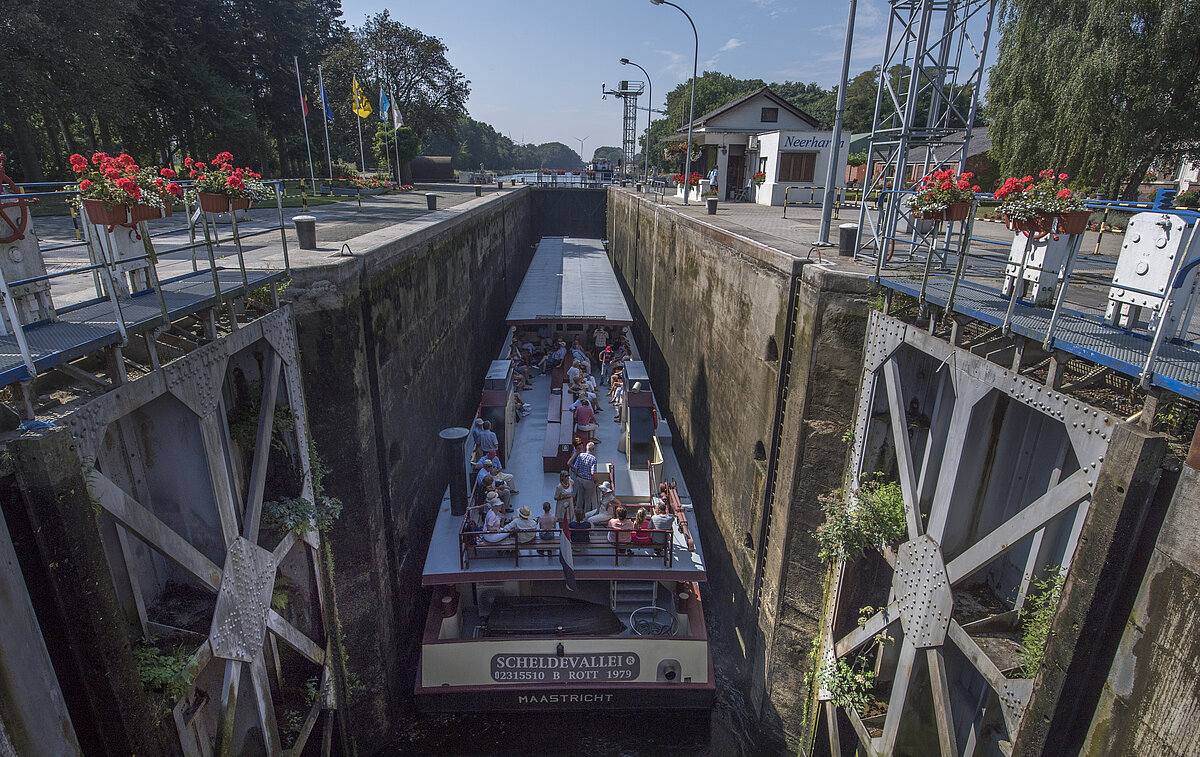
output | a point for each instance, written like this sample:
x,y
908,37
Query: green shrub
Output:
x,y
1039,616
868,517
300,515
164,671
1188,199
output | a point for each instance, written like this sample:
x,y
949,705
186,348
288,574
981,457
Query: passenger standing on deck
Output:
x,y
564,495
606,359
477,435
600,339
585,481
487,438
585,419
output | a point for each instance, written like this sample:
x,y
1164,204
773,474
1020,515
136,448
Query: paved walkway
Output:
x,y
336,224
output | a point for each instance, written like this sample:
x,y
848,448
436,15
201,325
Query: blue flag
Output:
x,y
384,105
324,98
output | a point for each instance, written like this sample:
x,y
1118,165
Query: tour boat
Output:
x,y
556,623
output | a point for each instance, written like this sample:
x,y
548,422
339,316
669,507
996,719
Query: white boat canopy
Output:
x,y
569,281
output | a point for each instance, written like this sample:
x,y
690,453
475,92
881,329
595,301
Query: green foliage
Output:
x,y
1188,199
301,515
611,154
243,422
857,159
850,680
344,167
164,672
870,516
473,143
1103,89
262,295
1040,606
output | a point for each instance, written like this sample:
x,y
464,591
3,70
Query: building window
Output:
x,y
797,166
770,115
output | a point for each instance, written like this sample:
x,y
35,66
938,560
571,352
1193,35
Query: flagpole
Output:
x,y
361,155
304,118
325,123
395,139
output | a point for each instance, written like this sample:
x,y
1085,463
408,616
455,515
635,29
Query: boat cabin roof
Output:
x,y
570,281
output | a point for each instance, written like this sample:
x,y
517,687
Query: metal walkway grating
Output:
x,y
1177,368
89,326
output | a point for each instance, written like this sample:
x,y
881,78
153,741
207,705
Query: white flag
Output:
x,y
397,119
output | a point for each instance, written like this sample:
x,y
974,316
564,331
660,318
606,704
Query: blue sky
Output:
x,y
536,66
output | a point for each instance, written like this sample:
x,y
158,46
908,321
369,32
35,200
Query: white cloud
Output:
x,y
732,44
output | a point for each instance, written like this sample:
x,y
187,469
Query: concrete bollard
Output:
x,y
499,185
306,231
478,190
847,239
431,200
711,202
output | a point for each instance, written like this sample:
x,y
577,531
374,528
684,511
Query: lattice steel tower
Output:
x,y
924,111
628,91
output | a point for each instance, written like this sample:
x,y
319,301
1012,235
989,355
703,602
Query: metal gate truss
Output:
x,y
997,472
246,634
919,125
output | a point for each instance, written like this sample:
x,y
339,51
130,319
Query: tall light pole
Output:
x,y
649,94
687,170
836,143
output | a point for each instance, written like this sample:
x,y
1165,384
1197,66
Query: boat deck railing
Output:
x,y
473,545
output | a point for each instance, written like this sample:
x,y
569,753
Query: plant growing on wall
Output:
x,y
1039,616
164,672
866,518
851,682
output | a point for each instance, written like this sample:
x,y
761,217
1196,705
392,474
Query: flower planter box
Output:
x,y
216,203
139,213
1073,222
1030,227
957,211
102,214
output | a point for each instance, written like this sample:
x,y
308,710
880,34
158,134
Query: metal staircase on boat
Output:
x,y
627,596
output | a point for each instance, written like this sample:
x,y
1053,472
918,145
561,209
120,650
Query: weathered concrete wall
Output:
x,y
52,522
754,360
1150,703
394,344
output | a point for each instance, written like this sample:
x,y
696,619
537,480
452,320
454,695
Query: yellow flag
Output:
x,y
362,107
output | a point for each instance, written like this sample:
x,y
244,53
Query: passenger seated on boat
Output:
x,y
521,408
492,460
523,525
585,419
641,528
580,529
564,493
581,358
548,525
476,434
608,504
619,523
554,358
662,521
492,533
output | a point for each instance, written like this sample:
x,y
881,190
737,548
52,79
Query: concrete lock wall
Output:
x,y
394,343
754,358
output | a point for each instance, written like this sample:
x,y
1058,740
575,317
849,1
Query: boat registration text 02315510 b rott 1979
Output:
x,y
608,666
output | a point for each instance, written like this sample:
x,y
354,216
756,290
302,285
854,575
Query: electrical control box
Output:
x,y
1156,246
1045,259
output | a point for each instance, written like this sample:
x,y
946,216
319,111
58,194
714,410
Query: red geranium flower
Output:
x,y
167,172
175,189
85,185
188,162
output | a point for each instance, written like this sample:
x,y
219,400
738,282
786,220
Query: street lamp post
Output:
x,y
650,95
687,169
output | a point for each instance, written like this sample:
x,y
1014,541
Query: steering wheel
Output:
x,y
652,621
16,230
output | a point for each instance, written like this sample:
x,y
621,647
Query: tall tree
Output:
x,y
1103,89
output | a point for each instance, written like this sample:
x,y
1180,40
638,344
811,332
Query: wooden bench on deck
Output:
x,y
550,450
